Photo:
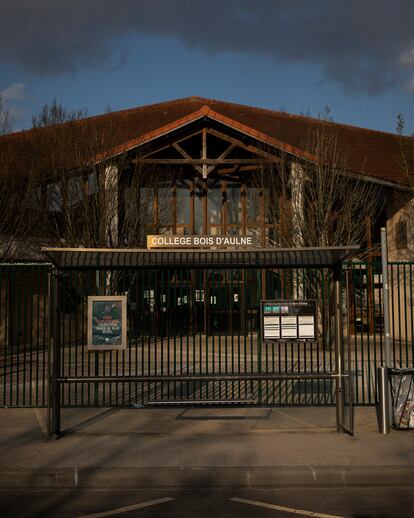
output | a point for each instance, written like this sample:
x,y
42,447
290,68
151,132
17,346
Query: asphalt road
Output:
x,y
320,502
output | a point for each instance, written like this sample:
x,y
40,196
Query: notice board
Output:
x,y
107,323
288,320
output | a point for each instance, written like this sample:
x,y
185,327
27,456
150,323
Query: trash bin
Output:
x,y
402,393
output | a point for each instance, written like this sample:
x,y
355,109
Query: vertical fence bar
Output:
x,y
50,346
17,334
391,313
187,326
411,316
384,257
216,327
321,293
222,328
385,289
29,333
3,323
259,341
53,356
36,398
399,314
207,308
375,313
370,329
338,349
405,316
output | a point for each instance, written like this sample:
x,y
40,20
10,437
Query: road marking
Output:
x,y
128,508
284,509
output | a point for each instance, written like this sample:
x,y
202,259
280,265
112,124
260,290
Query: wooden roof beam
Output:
x,y
225,153
247,147
184,154
201,161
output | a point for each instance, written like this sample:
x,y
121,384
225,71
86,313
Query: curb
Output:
x,y
205,477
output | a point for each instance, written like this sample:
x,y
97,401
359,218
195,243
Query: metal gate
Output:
x,y
200,322
195,322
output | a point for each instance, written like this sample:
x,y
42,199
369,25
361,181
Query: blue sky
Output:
x,y
93,54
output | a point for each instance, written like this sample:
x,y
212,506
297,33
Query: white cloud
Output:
x,y
407,61
14,98
14,92
410,85
407,58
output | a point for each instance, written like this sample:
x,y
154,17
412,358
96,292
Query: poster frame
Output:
x,y
113,298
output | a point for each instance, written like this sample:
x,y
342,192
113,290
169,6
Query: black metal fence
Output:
x,y
23,335
204,322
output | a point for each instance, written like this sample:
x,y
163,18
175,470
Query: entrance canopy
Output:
x,y
118,258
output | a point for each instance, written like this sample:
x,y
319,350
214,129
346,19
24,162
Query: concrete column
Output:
x,y
297,204
112,202
297,221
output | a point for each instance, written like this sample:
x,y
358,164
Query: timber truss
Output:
x,y
208,150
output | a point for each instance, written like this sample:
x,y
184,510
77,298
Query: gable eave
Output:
x,y
205,113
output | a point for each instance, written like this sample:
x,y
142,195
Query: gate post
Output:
x,y
384,389
53,414
338,348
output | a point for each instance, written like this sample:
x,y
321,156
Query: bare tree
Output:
x,y
318,202
400,123
406,152
86,196
5,125
15,193
54,113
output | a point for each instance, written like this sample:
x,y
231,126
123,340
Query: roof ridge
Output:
x,y
108,114
304,117
207,102
142,106
135,108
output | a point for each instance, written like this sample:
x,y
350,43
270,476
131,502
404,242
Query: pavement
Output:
x,y
247,447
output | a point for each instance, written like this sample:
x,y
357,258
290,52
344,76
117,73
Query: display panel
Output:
x,y
288,319
107,323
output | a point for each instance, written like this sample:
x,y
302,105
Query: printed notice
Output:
x,y
289,327
306,326
271,327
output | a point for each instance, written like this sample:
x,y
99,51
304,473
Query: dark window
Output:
x,y
401,235
183,205
233,204
214,198
253,204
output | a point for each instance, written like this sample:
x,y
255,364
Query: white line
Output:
x,y
284,509
128,508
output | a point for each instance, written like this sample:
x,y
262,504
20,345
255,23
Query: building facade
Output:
x,y
206,168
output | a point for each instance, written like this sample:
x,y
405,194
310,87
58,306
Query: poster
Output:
x,y
107,322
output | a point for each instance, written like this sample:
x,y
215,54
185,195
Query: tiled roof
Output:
x,y
367,152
